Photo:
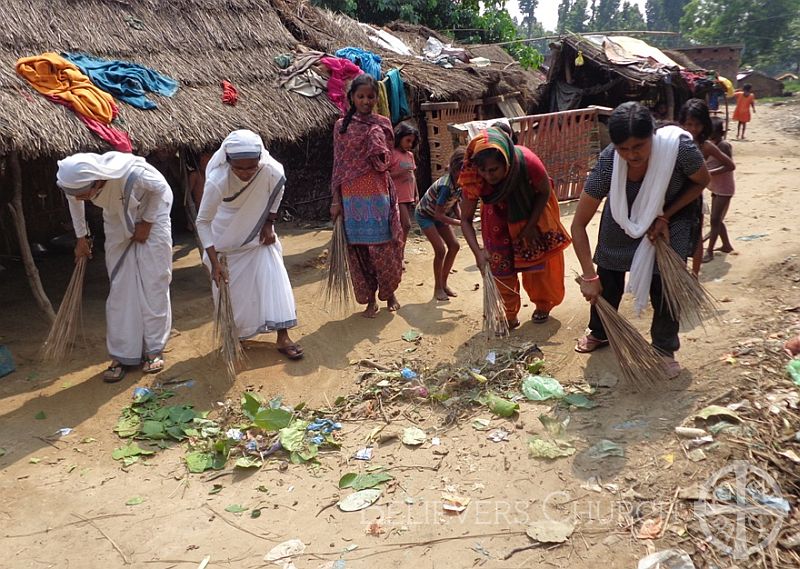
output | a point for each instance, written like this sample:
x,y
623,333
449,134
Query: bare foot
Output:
x,y
724,249
371,311
392,304
450,292
708,257
440,294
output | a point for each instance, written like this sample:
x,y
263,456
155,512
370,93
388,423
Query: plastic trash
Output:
x,y
364,454
140,394
282,553
324,426
667,559
234,434
359,500
793,369
541,388
408,374
605,449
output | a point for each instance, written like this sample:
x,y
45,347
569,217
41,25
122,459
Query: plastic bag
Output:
x,y
542,388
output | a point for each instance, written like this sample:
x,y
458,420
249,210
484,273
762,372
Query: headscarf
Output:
x,y
367,138
515,188
239,145
79,171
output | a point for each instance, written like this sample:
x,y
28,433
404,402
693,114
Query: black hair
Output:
x,y
360,81
489,154
698,110
456,162
403,130
628,120
717,127
506,128
747,87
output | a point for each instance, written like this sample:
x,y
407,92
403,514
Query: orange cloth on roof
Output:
x,y
51,74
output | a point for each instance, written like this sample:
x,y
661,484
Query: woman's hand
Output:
x,y
83,249
659,229
591,289
336,211
217,273
482,260
530,236
267,236
141,231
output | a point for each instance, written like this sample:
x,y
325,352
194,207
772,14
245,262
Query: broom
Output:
x,y
641,364
230,349
62,334
337,289
686,299
494,311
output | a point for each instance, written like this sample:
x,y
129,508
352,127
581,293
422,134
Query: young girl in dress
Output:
x,y
722,188
745,101
363,193
406,138
696,120
436,212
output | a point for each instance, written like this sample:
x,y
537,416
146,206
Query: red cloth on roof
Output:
x,y
342,71
118,140
230,96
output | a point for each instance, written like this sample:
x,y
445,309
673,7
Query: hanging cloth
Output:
x,y
368,62
383,100
397,96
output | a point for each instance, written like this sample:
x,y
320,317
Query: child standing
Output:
x,y
722,188
436,212
696,120
745,100
362,192
406,138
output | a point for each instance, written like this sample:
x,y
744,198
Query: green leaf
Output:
x,y
251,402
132,449
346,480
216,489
40,415
176,432
135,501
272,420
199,461
128,424
535,366
2,451
364,481
255,513
717,411
500,406
129,460
235,509
540,448
181,414
88,440
153,430
35,460
579,400
263,488
248,462
293,437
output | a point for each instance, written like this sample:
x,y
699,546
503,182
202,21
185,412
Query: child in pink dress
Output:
x,y
722,189
402,170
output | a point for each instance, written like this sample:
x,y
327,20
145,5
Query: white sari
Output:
x,y
138,310
230,219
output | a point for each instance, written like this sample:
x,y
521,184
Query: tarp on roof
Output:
x,y
624,50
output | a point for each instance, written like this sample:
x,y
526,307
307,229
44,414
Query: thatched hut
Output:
x,y
763,85
199,43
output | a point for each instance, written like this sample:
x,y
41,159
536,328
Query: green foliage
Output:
x,y
605,15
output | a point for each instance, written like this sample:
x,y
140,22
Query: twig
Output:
x,y
383,412
669,514
326,506
44,440
237,526
105,535
219,474
374,365
516,550
82,521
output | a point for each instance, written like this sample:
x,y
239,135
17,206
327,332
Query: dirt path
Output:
x,y
50,485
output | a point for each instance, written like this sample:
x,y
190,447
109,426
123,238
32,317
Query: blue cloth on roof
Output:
x,y
368,62
398,105
127,81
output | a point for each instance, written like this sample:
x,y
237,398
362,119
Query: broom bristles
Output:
x,y
337,290
61,338
686,299
494,310
225,336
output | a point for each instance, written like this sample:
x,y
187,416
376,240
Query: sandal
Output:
x,y
589,343
292,351
673,368
153,365
114,373
540,317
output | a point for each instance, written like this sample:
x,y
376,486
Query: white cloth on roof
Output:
x,y
647,206
386,40
138,310
232,213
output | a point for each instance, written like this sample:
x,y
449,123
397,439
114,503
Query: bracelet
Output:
x,y
591,280
664,219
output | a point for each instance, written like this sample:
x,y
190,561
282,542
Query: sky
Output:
x,y
547,11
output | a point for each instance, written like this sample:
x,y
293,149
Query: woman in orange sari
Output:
x,y
520,222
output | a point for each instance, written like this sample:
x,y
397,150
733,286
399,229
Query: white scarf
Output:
x,y
647,206
77,172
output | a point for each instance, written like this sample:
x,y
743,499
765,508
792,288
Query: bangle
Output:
x,y
591,280
664,219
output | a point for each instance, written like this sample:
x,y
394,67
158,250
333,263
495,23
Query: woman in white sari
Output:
x,y
243,191
136,202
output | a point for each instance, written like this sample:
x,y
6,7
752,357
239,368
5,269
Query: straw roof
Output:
x,y
199,43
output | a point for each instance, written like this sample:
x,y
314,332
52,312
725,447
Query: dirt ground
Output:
x,y
50,487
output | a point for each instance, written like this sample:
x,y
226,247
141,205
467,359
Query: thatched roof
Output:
x,y
199,43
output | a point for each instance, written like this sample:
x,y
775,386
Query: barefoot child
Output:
x,y
696,120
362,192
722,188
745,100
406,138
436,212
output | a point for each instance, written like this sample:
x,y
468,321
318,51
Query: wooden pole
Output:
x,y
18,216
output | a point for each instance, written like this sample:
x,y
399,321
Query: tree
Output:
x,y
528,9
563,15
577,19
606,16
630,17
654,10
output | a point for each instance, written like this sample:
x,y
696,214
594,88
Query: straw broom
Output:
x,y
494,311
337,289
686,299
62,334
230,349
641,364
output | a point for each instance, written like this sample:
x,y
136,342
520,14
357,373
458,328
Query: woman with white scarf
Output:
x,y
243,191
650,177
136,202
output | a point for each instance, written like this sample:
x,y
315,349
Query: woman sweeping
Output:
x,y
136,202
362,191
652,179
520,223
243,191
